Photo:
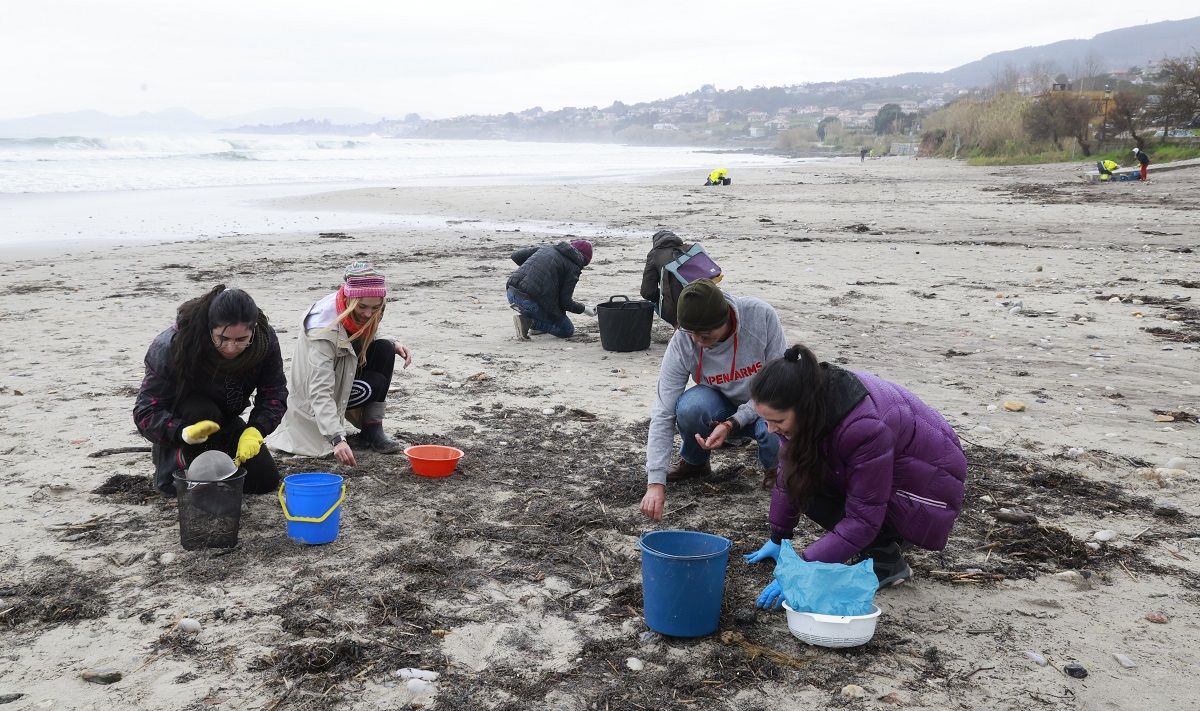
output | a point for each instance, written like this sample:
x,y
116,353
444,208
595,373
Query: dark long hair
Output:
x,y
797,382
192,349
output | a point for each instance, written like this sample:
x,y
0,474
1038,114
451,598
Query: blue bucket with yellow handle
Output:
x,y
312,505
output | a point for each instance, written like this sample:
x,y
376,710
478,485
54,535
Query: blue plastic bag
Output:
x,y
825,588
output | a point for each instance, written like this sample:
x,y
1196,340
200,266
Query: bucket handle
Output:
x,y
309,519
625,303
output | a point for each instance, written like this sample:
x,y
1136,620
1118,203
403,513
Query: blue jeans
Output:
x,y
560,326
696,411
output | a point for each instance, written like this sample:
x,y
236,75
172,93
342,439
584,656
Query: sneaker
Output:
x,y
535,332
685,470
522,324
890,567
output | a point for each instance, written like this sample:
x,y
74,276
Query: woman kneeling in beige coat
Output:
x,y
341,371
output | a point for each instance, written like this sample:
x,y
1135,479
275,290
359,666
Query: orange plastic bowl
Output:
x,y
433,459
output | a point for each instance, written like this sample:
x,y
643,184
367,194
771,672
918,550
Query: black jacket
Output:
x,y
154,411
547,275
1143,159
666,247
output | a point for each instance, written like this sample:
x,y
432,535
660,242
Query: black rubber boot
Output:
x,y
890,566
372,430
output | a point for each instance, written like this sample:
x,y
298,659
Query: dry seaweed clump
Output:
x,y
52,592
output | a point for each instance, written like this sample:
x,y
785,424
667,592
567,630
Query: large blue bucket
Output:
x,y
683,581
312,505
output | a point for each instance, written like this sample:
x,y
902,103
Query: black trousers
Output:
x,y
373,379
827,508
262,476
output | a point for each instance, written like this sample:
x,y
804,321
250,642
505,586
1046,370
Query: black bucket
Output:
x,y
210,512
624,324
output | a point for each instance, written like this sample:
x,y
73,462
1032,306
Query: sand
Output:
x,y
518,578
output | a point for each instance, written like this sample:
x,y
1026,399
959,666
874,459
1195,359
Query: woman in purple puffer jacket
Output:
x,y
864,458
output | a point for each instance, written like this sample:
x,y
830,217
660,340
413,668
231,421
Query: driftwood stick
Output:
x,y
117,450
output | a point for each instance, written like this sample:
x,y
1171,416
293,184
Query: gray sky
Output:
x,y
220,57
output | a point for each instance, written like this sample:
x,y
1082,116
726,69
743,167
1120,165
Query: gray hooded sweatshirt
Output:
x,y
757,340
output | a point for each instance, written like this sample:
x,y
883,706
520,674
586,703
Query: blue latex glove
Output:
x,y
770,549
771,596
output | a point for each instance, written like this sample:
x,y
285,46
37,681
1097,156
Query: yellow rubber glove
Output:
x,y
200,432
248,445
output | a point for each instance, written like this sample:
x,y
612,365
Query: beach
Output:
x,y
518,578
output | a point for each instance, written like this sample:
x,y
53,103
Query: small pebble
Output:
x,y
1158,617
548,411
1177,463
455,385
987,499
635,664
649,637
1036,658
1014,406
167,558
1076,670
853,691
1092,546
102,676
437,371
1104,535
189,625
1124,660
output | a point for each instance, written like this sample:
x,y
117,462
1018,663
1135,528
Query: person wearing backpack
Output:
x,y
721,343
657,287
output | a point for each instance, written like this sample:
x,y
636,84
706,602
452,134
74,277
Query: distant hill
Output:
x,y
1117,49
332,114
91,123
177,120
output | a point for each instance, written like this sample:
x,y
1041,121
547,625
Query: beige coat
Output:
x,y
323,368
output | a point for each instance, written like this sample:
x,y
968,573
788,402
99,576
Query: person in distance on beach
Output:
x,y
720,176
864,458
542,289
1105,168
1144,163
722,341
341,371
200,374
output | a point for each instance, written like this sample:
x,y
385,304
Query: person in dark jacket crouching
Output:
x,y
542,289
665,248
862,457
200,374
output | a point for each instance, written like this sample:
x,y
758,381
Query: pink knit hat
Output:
x,y
585,248
363,281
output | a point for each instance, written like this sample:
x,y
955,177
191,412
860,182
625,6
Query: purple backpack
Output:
x,y
692,265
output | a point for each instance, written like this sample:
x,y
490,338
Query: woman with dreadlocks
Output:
x,y
864,458
341,371
200,374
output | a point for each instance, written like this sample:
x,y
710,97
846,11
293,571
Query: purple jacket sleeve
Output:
x,y
270,394
784,515
867,451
